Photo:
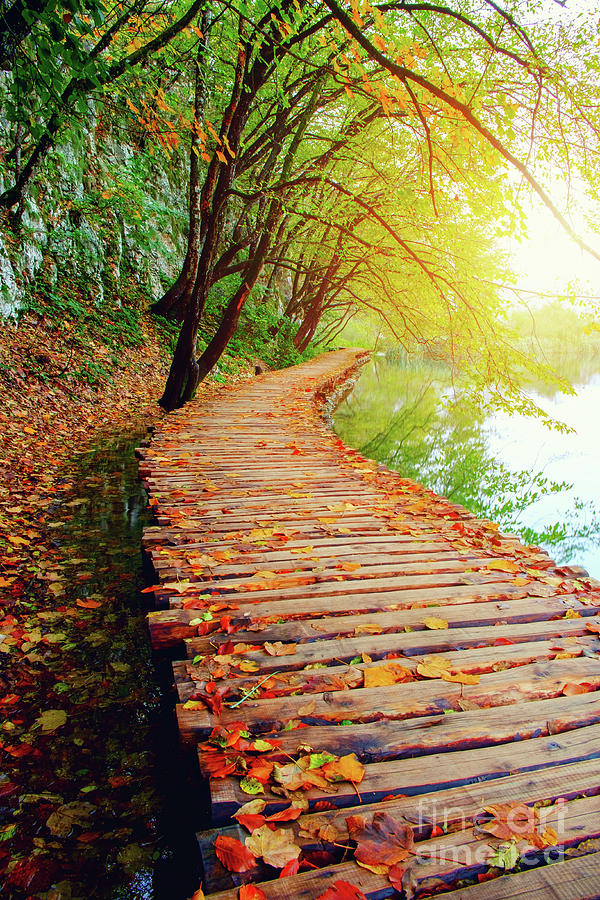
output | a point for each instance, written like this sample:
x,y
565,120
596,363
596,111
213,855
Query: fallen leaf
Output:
x,y
248,665
276,847
252,807
505,857
504,565
390,673
307,709
342,890
461,677
570,689
233,854
251,786
368,628
290,868
286,815
381,842
433,667
250,821
61,822
88,604
277,648
346,768
251,892
51,719
434,623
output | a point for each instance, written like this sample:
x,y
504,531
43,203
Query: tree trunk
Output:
x,y
173,303
231,317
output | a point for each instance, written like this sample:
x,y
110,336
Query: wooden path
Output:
x,y
369,663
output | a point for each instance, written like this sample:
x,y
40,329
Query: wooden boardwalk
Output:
x,y
370,663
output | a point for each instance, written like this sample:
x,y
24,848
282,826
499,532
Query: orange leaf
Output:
x,y
382,841
290,868
571,688
346,768
88,604
286,815
277,648
391,673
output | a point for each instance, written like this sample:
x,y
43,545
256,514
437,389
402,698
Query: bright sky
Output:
x,y
548,261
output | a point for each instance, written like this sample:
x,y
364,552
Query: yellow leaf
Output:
x,y
504,565
346,768
434,623
194,704
380,676
461,677
571,614
434,667
248,665
368,628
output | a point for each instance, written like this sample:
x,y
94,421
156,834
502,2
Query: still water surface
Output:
x,y
537,482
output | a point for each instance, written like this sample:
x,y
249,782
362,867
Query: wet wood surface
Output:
x,y
328,603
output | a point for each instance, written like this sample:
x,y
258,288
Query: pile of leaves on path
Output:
x,y
378,841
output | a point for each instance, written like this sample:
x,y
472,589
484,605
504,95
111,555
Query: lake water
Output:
x,y
537,482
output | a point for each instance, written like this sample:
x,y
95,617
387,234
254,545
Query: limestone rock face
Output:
x,y
100,210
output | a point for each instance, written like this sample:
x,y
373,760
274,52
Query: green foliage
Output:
x,y
87,327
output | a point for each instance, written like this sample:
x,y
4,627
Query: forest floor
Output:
x,y
64,393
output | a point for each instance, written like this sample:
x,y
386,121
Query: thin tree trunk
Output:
x,y
174,301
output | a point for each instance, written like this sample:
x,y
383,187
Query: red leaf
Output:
x,y
251,821
342,890
286,815
381,840
251,892
322,805
233,854
290,868
395,877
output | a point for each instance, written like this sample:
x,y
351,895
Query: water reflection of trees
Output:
x,y
404,414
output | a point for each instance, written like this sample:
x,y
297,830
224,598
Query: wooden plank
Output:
x,y
440,771
439,862
425,641
402,701
449,808
570,879
457,731
175,623
290,677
